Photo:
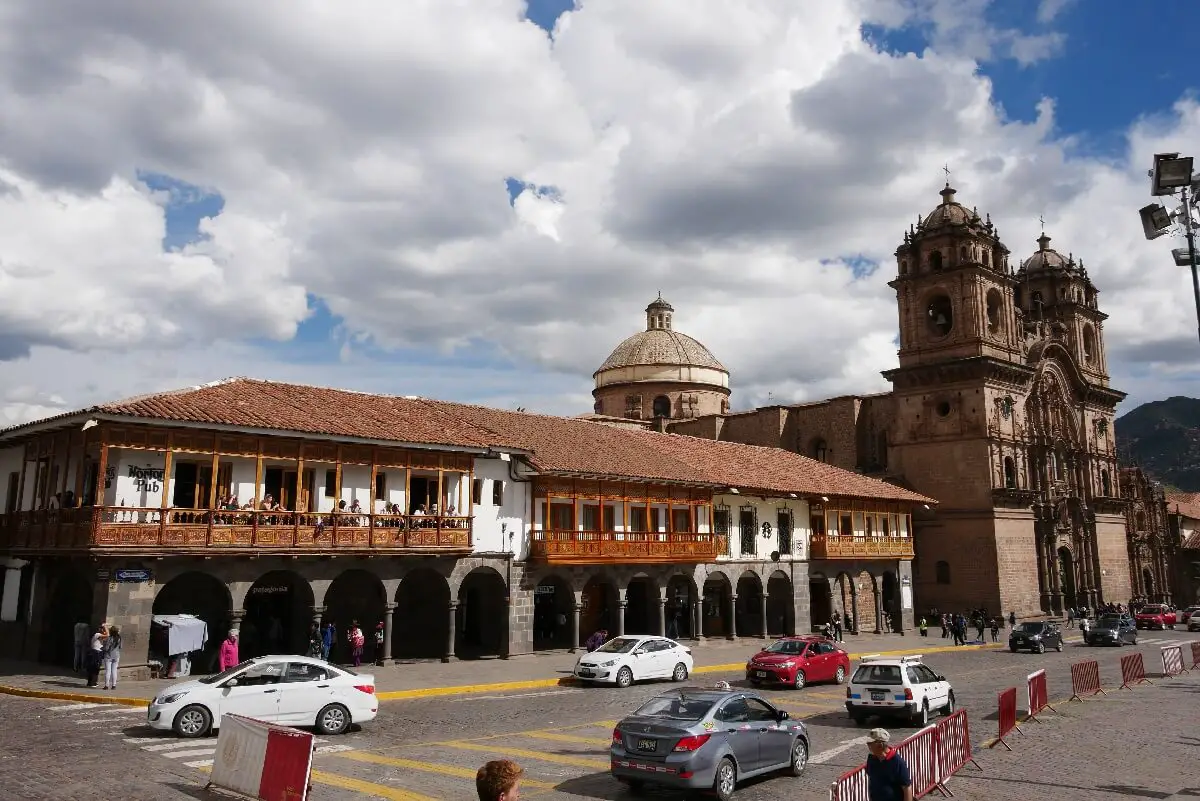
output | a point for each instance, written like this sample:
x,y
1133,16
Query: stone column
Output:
x,y
763,634
697,612
235,619
854,605
733,616
1043,577
317,613
388,609
621,604
878,609
575,628
662,616
453,613
12,588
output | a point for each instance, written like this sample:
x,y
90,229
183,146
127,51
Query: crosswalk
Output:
x,y
1160,641
127,721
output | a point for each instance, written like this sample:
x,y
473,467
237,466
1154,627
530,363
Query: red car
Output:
x,y
1155,616
798,661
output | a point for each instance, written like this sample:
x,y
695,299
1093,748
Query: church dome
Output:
x,y
1046,258
659,344
950,212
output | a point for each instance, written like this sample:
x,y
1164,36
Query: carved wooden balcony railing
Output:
x,y
598,547
125,528
839,547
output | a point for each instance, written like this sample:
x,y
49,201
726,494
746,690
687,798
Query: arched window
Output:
x,y
1105,484
1089,343
942,572
935,260
1010,473
962,254
819,450
1141,520
995,301
662,406
904,266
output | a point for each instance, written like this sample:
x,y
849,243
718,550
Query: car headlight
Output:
x,y
787,664
609,663
171,698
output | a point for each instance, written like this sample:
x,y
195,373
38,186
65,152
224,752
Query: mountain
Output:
x,y
1163,437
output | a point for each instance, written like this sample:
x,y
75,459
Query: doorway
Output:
x,y
193,482
1066,569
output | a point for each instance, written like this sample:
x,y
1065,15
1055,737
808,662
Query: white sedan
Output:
x,y
630,657
292,690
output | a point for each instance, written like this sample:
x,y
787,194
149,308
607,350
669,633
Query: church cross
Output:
x,y
946,169
1042,220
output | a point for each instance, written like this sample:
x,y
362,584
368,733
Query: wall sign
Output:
x,y
102,575
148,479
135,575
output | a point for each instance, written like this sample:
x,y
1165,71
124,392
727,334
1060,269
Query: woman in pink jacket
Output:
x,y
229,652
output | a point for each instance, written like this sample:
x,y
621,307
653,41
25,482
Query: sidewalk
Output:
x,y
426,678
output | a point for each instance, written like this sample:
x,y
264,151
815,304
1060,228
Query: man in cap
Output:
x,y
888,778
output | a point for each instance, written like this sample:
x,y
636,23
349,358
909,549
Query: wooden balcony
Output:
x,y
838,547
600,547
124,529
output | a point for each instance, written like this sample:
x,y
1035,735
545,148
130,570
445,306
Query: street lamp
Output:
x,y
1172,172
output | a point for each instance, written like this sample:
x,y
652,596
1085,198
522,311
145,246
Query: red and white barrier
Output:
x,y
920,752
1196,655
262,760
1172,659
1007,702
953,746
1038,694
1133,671
1085,680
850,786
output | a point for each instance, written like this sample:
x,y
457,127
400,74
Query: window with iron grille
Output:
x,y
748,526
784,524
721,526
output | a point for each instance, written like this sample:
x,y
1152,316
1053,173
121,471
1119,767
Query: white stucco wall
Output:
x,y
767,512
10,462
504,528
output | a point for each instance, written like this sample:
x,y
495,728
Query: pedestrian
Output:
x,y
596,640
1071,618
95,655
924,627
888,778
945,626
357,640
327,636
82,634
499,780
112,657
995,630
1012,619
837,628
314,640
379,632
227,657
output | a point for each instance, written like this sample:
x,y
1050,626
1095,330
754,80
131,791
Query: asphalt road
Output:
x,y
429,749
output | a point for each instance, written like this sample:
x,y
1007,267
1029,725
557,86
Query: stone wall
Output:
x,y
1112,550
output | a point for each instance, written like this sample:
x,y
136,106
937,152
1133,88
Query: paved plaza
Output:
x,y
1132,744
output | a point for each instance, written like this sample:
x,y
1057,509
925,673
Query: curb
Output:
x,y
465,689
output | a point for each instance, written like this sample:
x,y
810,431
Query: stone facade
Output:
x,y
1151,542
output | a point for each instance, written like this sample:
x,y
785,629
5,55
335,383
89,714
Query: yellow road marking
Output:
x,y
430,767
560,759
562,738
467,689
787,704
369,788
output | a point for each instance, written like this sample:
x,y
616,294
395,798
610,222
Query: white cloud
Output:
x,y
728,153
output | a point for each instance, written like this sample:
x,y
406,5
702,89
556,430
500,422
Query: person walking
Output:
x,y
499,780
945,626
95,655
112,657
379,632
1012,619
327,635
227,657
924,627
995,629
888,777
837,628
82,634
357,640
314,640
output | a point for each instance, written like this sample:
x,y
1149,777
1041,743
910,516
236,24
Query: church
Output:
x,y
1000,408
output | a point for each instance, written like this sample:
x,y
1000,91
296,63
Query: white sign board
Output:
x,y
906,597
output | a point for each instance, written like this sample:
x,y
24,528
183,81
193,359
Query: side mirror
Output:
x,y
638,652
782,714
941,677
230,683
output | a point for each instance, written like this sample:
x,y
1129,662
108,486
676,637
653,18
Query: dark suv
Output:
x,y
1036,637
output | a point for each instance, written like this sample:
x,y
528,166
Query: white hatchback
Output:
x,y
292,690
902,687
630,657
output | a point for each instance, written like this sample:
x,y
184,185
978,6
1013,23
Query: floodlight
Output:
x,y
1155,220
1170,173
1183,257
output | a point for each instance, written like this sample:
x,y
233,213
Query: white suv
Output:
x,y
903,687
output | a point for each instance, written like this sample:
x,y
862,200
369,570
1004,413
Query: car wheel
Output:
x,y
840,676
1041,648
192,721
949,708
1059,647
333,719
624,677
858,718
1012,648
922,717
680,673
725,780
1134,642
634,785
799,757
800,680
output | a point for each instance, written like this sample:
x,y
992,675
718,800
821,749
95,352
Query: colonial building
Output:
x,y
1001,409
464,531
1152,544
1183,516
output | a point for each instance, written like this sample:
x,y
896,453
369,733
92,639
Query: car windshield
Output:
x,y
675,707
224,674
786,647
619,645
877,674
1108,624
1152,610
1031,628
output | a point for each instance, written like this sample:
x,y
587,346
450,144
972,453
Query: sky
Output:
x,y
475,199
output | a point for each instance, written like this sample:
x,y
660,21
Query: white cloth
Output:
x,y
185,633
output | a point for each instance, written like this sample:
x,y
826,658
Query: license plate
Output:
x,y
762,674
877,695
646,744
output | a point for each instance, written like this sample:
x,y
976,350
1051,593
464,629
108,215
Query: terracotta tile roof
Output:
x,y
555,444
1186,503
1191,542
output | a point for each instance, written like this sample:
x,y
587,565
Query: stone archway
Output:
x,y
641,606
278,614
421,621
867,599
716,610
600,607
481,627
848,601
1066,567
889,597
68,602
553,608
781,608
820,596
750,605
202,595
355,596
1148,589
681,600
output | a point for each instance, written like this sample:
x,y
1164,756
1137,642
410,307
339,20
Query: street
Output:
x,y
1140,743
